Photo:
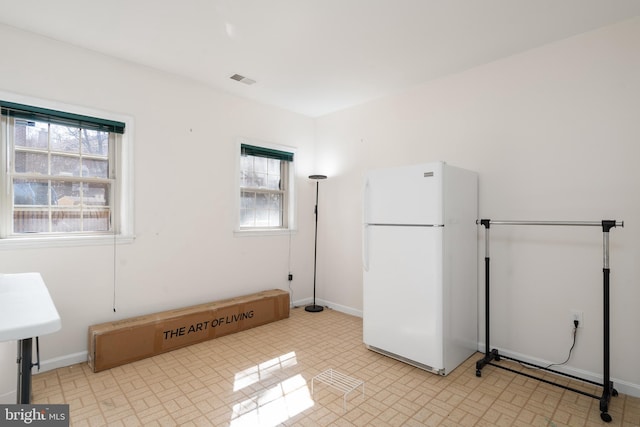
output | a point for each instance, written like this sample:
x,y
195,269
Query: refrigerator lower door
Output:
x,y
403,295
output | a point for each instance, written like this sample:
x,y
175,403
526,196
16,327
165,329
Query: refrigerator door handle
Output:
x,y
365,202
365,247
365,227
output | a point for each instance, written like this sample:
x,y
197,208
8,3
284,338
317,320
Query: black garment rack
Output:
x,y
494,355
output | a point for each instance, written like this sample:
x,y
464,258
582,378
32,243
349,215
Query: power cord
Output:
x,y
575,332
573,344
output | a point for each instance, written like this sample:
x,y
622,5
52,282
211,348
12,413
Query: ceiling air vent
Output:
x,y
242,79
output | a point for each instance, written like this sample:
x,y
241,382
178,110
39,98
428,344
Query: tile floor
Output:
x,y
263,376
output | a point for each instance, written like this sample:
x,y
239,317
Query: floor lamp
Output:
x,y
313,308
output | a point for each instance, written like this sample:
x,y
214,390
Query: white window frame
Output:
x,y
123,202
291,193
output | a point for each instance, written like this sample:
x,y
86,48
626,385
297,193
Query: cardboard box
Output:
x,y
124,341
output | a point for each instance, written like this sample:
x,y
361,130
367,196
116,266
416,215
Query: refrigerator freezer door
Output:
x,y
402,298
407,195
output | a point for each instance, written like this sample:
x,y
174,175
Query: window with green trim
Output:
x,y
265,190
61,176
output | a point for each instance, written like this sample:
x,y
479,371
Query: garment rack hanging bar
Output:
x,y
562,223
493,355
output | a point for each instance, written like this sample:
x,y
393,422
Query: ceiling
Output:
x,y
313,56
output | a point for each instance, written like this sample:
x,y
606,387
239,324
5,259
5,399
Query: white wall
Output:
x,y
555,135
185,251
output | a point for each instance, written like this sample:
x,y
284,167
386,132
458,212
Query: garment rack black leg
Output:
x,y
607,384
489,354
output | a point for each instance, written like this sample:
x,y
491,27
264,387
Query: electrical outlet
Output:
x,y
577,315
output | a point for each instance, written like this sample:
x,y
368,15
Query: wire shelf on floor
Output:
x,y
340,382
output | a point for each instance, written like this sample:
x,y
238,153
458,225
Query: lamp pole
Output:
x,y
313,308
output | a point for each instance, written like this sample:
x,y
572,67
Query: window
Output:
x,y
265,188
60,173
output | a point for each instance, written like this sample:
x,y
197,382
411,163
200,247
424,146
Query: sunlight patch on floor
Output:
x,y
274,405
263,371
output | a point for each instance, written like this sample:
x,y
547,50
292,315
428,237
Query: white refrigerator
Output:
x,y
420,264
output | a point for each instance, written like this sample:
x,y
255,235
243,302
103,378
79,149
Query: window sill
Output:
x,y
264,232
63,241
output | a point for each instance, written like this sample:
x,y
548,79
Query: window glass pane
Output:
x,y
275,210
262,201
247,172
95,168
247,218
260,172
65,138
95,194
65,165
273,167
31,134
31,162
262,213
66,221
274,218
247,200
246,163
268,210
247,208
260,180
95,220
260,164
95,142
273,182
244,178
67,193
275,202
30,192
30,221
273,176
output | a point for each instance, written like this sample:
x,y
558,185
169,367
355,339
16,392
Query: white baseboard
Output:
x,y
62,361
301,302
337,307
621,386
341,308
46,365
9,397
